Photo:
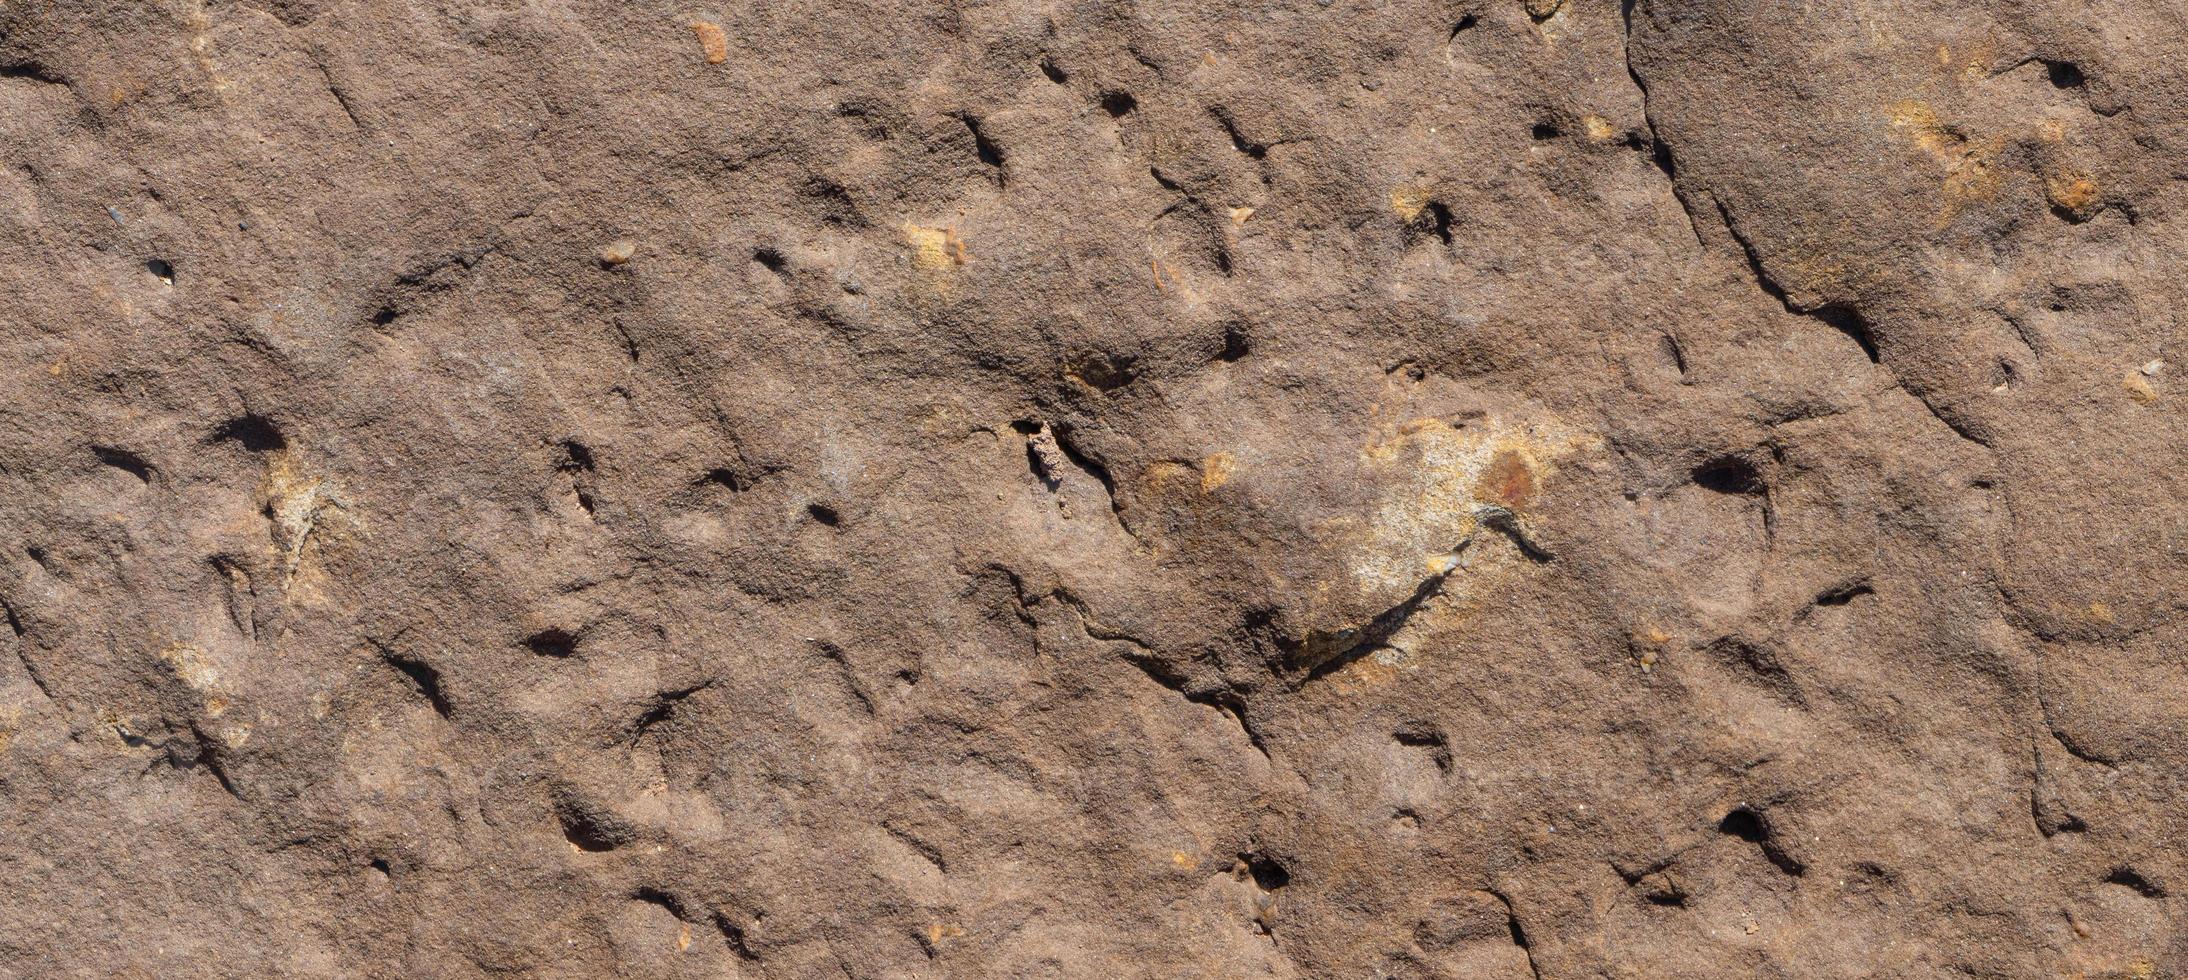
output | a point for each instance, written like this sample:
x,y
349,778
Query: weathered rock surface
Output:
x,y
1316,488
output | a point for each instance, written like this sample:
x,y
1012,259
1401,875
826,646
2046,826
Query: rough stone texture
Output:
x,y
1059,488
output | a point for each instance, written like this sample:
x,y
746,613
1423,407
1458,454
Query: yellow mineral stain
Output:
x,y
713,41
2139,388
939,931
1409,202
683,936
1216,470
1181,859
1239,215
2071,192
2101,613
1598,128
935,249
1969,174
309,514
191,665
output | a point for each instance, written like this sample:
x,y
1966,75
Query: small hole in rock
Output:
x,y
552,643
386,316
1268,875
1442,216
2065,74
162,269
1465,23
770,258
1744,824
587,832
1730,475
380,865
1235,346
825,514
252,432
1546,131
1117,103
1054,73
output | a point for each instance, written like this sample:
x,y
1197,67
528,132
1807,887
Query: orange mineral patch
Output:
x,y
1509,480
713,41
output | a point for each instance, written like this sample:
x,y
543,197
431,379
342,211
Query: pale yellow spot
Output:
x,y
1969,175
939,931
935,249
1181,859
2099,612
2139,388
1599,129
618,252
683,936
1239,215
1409,202
1216,470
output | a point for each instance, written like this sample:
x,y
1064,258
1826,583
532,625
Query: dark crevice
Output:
x,y
1235,345
422,676
1842,594
589,830
734,935
2064,74
1465,23
985,148
253,432
1729,475
1837,316
161,269
825,515
32,71
22,650
1428,738
1659,151
2127,877
1442,218
208,756
770,259
1092,467
849,675
126,461
1054,72
1239,141
1225,701
1517,932
654,896
1751,826
663,708
552,643
1506,523
1118,103
1545,131
1675,351
1268,873
1761,665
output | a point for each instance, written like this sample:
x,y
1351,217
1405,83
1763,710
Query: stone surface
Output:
x,y
1316,488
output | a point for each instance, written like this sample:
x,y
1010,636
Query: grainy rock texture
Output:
x,y
1066,488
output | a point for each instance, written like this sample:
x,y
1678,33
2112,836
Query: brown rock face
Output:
x,y
1306,488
